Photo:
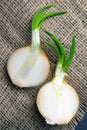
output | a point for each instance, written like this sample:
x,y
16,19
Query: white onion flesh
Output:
x,y
57,102
28,68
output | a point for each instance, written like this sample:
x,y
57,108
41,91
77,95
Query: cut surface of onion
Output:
x,y
29,70
29,66
57,101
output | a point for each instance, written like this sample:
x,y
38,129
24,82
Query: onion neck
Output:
x,y
35,39
59,75
59,71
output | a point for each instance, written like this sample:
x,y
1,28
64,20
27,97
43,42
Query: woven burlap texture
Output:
x,y
18,110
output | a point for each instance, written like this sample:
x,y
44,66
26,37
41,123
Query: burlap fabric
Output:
x,y
18,109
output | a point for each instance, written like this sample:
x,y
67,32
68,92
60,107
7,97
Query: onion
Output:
x,y
29,66
57,101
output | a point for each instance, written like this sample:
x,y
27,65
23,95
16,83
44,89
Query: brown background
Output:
x,y
18,110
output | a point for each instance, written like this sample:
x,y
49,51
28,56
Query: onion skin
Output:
x,y
12,65
48,109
